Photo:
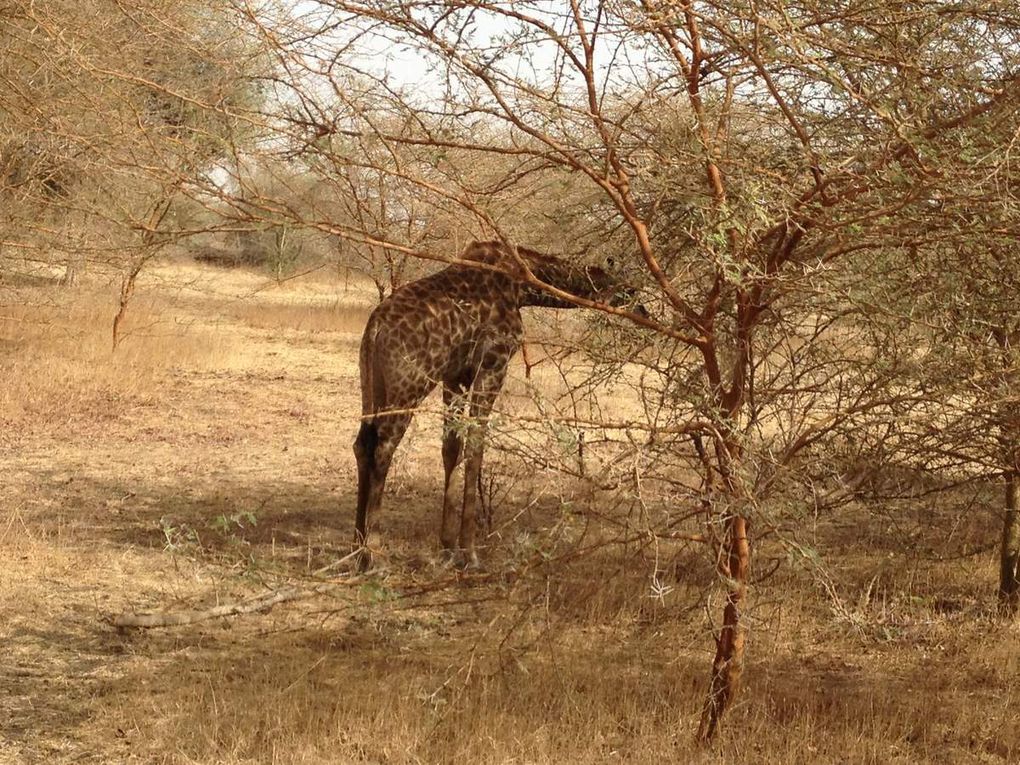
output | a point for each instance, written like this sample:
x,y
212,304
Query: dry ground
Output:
x,y
209,459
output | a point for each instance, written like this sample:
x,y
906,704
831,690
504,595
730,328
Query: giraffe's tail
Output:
x,y
370,361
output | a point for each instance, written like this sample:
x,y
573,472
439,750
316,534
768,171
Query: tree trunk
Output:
x,y
73,268
127,289
1009,555
734,564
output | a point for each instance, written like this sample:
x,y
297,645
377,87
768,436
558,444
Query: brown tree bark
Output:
x,y
734,565
127,289
1009,554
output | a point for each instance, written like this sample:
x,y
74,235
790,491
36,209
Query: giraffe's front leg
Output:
x,y
468,519
453,455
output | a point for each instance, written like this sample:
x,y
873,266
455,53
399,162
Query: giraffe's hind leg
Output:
x,y
486,387
377,440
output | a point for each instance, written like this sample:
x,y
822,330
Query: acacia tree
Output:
x,y
971,305
109,113
964,312
947,277
368,195
975,350
746,159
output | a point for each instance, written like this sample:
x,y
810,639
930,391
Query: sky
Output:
x,y
406,66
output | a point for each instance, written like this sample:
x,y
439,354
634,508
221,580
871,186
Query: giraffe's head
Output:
x,y
585,281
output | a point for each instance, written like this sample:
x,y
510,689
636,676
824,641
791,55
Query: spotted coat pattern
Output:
x,y
459,328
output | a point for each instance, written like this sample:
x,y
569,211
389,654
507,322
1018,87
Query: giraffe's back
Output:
x,y
437,329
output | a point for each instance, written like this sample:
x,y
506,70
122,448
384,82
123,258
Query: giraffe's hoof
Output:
x,y
467,560
455,557
448,557
363,560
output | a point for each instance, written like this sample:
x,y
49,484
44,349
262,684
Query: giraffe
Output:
x,y
459,328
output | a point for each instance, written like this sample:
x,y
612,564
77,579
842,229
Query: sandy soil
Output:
x,y
209,460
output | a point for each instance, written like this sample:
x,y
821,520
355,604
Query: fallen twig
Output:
x,y
264,602
150,619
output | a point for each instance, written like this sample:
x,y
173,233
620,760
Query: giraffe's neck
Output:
x,y
581,281
533,296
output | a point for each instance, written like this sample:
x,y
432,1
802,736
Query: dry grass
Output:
x,y
209,458
60,363
302,318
